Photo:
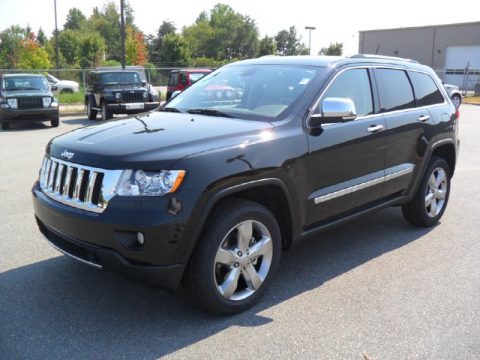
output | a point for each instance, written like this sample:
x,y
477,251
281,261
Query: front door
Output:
x,y
346,160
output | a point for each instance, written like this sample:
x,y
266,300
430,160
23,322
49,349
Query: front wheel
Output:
x,y
237,256
5,125
106,113
91,113
430,201
55,122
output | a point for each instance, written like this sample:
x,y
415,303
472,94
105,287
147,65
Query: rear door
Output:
x,y
346,160
408,128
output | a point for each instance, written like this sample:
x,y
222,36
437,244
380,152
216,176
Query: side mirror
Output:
x,y
175,93
144,83
333,110
53,88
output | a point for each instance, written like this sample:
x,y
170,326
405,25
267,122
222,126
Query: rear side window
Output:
x,y
173,79
426,91
394,89
355,85
183,78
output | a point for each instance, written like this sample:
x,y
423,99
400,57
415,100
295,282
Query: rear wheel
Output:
x,y
106,113
5,125
66,91
237,256
457,100
91,113
430,201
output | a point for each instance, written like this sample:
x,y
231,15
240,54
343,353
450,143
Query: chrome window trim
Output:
x,y
364,185
374,66
108,188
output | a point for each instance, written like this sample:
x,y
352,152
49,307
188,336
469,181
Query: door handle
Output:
x,y
375,128
423,118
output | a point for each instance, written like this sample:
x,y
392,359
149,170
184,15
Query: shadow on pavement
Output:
x,y
58,308
27,126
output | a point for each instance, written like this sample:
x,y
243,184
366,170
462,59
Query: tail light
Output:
x,y
457,114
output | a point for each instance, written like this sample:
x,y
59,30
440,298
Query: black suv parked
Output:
x,y
209,190
27,97
118,92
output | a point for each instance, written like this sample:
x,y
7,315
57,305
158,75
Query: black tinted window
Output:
x,y
173,79
426,91
355,85
395,90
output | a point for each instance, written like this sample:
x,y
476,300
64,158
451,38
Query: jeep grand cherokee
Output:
x,y
208,192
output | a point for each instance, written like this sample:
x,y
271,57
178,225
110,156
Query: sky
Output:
x,y
335,21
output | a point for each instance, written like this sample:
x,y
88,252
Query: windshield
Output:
x,y
120,78
18,83
247,91
194,77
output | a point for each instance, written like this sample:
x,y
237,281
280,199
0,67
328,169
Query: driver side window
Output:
x,y
355,85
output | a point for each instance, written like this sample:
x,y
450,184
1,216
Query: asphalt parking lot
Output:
x,y
376,288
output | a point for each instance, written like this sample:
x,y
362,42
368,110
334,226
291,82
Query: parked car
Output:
x,y
26,97
181,79
455,94
63,86
207,192
118,92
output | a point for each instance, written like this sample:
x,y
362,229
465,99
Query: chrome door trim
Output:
x,y
392,173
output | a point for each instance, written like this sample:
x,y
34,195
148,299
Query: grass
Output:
x,y
71,98
473,99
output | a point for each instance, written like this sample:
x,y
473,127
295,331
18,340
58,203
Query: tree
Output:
x,y
135,47
289,44
31,55
155,43
267,46
75,20
107,23
332,49
175,49
41,37
69,43
11,45
92,50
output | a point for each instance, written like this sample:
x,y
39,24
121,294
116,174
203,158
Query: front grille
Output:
x,y
76,185
30,102
132,97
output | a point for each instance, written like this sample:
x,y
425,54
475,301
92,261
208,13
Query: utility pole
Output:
x,y
56,36
122,30
310,28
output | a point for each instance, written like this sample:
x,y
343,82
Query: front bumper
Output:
x,y
132,108
99,239
40,114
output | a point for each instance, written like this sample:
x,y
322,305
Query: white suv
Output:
x,y
63,86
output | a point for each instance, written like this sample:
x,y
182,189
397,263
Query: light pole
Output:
x,y
122,30
56,35
310,28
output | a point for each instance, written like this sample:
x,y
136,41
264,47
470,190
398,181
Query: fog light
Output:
x,y
140,238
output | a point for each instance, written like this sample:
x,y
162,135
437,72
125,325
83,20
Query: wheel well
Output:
x,y
275,200
447,152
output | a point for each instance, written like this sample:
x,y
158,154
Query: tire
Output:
x,y
66,91
435,187
106,114
91,113
221,259
55,122
457,100
5,125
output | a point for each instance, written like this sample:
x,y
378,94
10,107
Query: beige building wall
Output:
x,y
426,44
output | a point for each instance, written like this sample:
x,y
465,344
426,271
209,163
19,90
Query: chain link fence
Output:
x,y
467,79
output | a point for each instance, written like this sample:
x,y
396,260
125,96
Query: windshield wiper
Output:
x,y
170,109
22,89
211,112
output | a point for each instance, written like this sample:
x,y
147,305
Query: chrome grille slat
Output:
x,y
92,187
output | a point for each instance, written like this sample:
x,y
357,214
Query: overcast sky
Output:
x,y
336,21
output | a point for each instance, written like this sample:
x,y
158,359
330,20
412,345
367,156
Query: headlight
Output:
x,y
13,103
145,95
54,103
46,101
149,183
118,96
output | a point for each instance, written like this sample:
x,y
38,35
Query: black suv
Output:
x,y
118,92
209,191
27,97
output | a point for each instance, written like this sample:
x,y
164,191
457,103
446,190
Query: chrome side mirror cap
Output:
x,y
333,110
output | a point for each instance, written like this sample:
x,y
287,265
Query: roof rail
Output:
x,y
380,57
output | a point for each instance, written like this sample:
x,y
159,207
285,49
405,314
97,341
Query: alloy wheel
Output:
x,y
436,192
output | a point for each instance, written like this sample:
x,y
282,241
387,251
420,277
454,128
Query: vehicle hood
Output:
x,y
153,141
25,93
67,83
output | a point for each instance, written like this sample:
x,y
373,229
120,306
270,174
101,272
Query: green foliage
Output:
x,y
71,98
75,20
175,50
111,63
92,49
11,45
267,46
41,37
288,43
332,49
69,44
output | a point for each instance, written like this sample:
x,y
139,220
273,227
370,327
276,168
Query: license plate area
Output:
x,y
135,106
